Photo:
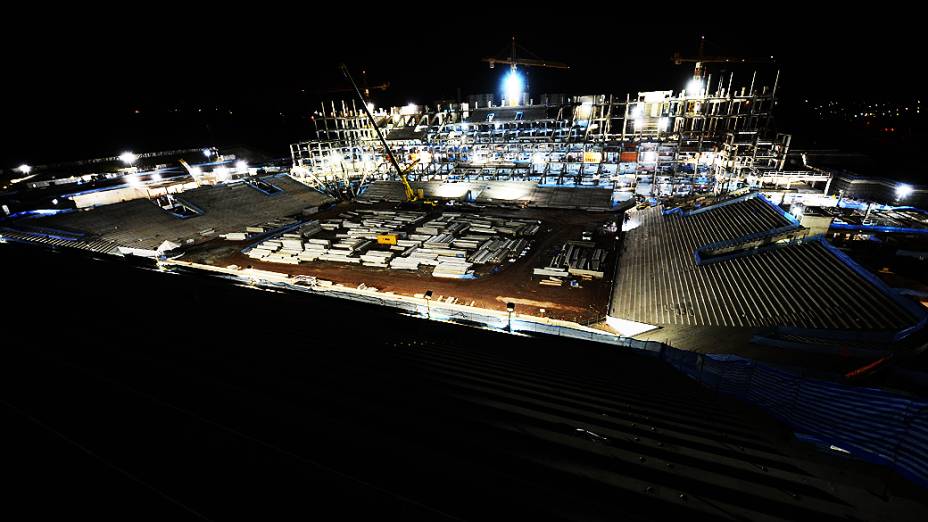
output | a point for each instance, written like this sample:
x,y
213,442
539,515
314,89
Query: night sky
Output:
x,y
79,88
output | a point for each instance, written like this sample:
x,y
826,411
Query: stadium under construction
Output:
x,y
671,222
656,216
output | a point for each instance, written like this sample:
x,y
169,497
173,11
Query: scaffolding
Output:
x,y
657,142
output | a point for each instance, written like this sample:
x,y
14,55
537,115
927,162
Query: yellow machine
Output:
x,y
387,239
413,195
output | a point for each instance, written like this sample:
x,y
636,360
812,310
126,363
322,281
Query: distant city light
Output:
x,y
128,158
241,166
25,169
694,88
55,201
207,152
512,88
903,191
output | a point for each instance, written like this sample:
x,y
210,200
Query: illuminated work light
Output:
x,y
512,88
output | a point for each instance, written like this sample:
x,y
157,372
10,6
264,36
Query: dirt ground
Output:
x,y
512,282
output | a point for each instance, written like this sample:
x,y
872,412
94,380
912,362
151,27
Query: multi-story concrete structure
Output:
x,y
657,143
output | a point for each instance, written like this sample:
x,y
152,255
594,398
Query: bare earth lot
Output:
x,y
508,282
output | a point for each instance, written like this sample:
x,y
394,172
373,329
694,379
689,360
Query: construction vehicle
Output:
x,y
412,196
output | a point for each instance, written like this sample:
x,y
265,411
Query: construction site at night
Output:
x,y
617,215
675,221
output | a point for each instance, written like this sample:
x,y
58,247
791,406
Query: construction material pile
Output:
x,y
451,243
455,242
257,230
353,234
575,258
287,248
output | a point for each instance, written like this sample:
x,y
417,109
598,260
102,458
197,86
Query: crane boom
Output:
x,y
335,90
678,59
411,195
526,62
701,59
512,61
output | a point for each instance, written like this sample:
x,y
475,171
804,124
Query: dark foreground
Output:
x,y
133,394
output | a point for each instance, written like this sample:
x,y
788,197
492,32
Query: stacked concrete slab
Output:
x,y
576,258
451,243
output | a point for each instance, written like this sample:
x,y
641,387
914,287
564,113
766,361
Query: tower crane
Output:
x,y
513,60
513,84
701,59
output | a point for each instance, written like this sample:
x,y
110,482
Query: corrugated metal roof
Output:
x,y
804,285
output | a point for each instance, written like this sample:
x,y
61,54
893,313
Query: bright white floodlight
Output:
x,y
512,87
128,158
694,88
241,166
903,191
25,169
